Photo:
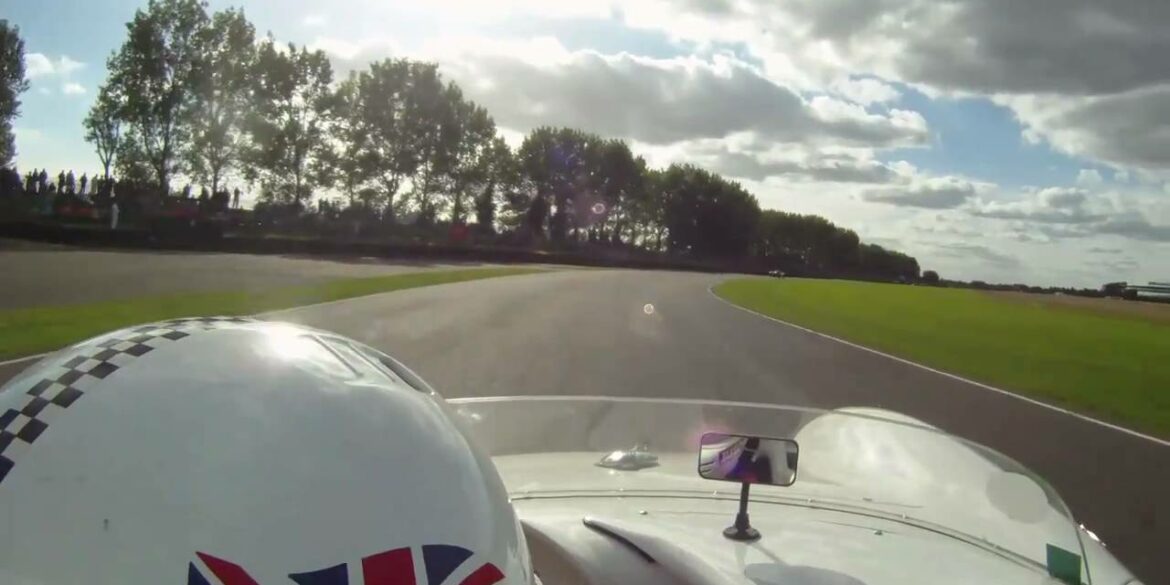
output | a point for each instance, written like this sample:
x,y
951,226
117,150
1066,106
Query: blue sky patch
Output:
x,y
979,139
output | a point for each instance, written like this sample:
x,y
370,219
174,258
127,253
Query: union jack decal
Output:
x,y
393,567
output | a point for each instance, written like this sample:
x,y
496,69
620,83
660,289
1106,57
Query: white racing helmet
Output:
x,y
227,451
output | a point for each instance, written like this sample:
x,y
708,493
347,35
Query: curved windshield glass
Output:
x,y
860,460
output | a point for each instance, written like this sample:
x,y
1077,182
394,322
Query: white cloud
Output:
x,y
1089,178
658,101
951,222
537,82
514,138
1086,76
1137,228
65,65
1010,250
1089,77
747,156
338,48
866,91
40,65
948,192
1106,251
314,21
1124,129
983,46
1060,205
1112,265
348,55
1059,213
965,251
494,10
37,65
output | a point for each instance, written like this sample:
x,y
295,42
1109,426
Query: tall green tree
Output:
x,y
373,140
622,182
707,215
287,122
501,182
542,168
433,134
156,70
516,193
12,84
103,127
131,168
221,96
559,165
878,262
808,238
814,244
588,209
477,150
842,250
346,164
647,211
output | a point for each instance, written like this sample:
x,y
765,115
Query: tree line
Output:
x,y
199,95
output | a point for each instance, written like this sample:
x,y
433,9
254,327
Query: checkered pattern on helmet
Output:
x,y
47,397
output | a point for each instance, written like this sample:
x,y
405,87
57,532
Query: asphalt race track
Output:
x,y
663,334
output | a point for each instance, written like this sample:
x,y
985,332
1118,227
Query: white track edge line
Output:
x,y
388,292
275,312
1131,432
326,303
35,356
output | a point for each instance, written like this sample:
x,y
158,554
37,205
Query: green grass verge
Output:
x,y
1114,366
38,329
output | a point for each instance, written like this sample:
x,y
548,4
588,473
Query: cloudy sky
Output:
x,y
1002,140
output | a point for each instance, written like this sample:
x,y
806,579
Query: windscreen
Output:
x,y
860,460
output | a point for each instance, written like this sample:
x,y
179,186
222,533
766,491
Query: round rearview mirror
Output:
x,y
748,459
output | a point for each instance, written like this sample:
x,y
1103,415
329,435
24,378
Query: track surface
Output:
x,y
592,332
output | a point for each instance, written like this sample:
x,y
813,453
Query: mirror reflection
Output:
x,y
748,459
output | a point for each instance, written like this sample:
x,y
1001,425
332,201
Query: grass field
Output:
x,y
1087,356
28,331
